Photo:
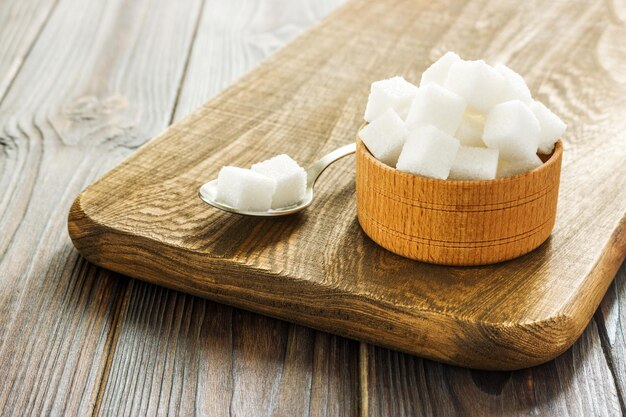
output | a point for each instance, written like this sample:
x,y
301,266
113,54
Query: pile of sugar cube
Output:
x,y
466,121
278,182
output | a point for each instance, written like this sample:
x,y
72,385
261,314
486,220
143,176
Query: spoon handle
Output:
x,y
321,164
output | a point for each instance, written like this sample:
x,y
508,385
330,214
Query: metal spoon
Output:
x,y
208,191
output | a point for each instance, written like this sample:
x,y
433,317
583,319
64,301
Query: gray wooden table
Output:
x,y
83,83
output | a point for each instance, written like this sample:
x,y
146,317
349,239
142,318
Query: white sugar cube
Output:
x,y
245,189
552,127
515,88
508,168
429,152
473,163
384,137
289,176
470,131
395,93
434,105
477,82
512,129
438,71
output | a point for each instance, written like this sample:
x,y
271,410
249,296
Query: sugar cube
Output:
x,y
396,93
438,71
477,82
552,127
434,105
289,176
244,189
515,87
512,129
509,168
384,137
429,152
473,163
470,132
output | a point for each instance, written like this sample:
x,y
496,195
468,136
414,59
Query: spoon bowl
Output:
x,y
208,191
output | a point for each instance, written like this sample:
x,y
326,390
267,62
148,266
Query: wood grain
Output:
x,y
22,22
318,269
459,223
64,330
234,36
613,329
577,383
181,355
73,111
62,319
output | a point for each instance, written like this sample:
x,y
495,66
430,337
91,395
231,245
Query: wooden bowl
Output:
x,y
452,222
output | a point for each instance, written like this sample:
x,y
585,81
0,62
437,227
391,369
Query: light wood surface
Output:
x,y
459,223
66,332
319,269
63,110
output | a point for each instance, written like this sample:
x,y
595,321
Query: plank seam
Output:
x,y
603,335
120,312
30,48
183,76
363,388
232,362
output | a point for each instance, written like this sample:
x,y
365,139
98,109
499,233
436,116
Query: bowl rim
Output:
x,y
552,159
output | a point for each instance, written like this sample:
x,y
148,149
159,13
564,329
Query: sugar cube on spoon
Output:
x,y
289,176
245,189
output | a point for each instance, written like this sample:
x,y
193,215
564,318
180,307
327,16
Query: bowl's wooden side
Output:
x,y
456,222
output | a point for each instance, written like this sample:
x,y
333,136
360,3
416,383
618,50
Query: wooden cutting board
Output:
x,y
318,268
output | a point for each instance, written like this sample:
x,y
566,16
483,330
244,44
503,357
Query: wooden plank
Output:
x,y
93,87
318,269
181,355
234,36
22,22
17,35
613,330
577,383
